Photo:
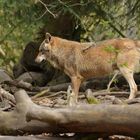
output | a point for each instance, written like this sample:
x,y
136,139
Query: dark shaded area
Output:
x,y
27,64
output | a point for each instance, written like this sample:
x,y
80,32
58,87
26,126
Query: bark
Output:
x,y
23,85
34,138
92,84
7,95
109,119
14,122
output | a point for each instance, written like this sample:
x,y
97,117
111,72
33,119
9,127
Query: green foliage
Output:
x,y
18,27
99,20
125,64
111,49
92,100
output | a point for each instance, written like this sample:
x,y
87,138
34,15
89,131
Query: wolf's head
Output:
x,y
45,49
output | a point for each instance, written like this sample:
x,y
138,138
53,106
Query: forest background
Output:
x,y
82,20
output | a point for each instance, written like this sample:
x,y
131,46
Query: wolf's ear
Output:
x,y
47,37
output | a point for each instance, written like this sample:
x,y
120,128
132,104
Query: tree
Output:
x,y
77,20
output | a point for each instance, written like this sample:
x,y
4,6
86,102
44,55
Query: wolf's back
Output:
x,y
138,43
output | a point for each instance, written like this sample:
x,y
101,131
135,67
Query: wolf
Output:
x,y
81,61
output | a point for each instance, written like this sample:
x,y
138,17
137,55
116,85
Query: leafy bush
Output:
x,y
19,25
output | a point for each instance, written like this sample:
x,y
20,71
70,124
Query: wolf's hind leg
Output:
x,y
112,80
128,74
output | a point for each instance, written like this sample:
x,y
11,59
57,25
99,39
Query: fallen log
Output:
x,y
99,119
110,119
64,86
34,138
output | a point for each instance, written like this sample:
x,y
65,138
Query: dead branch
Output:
x,y
118,119
133,101
7,95
47,9
23,85
34,138
40,93
119,94
90,118
64,86
14,122
101,118
56,88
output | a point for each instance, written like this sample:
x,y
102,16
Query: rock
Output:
x,y
4,76
35,78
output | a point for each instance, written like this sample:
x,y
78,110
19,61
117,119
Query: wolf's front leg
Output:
x,y
71,98
73,95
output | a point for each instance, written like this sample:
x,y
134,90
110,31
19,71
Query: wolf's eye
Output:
x,y
45,49
41,51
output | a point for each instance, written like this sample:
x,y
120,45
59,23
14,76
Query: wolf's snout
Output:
x,y
40,58
37,60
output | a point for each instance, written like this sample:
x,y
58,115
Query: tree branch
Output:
x,y
46,9
8,33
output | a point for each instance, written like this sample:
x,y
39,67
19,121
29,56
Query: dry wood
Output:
x,y
91,118
109,119
105,92
34,138
7,95
133,101
115,93
23,85
56,88
40,93
64,86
